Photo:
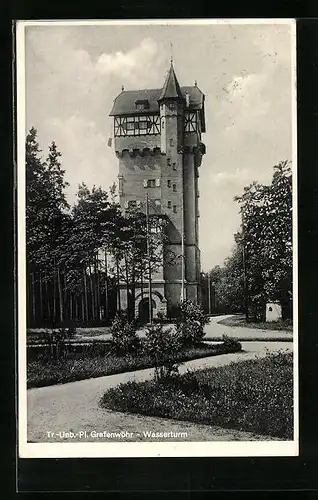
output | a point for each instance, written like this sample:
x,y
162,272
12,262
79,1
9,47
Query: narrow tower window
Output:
x,y
150,183
169,183
174,166
169,162
174,187
169,204
175,209
121,184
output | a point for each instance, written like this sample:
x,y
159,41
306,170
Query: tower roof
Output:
x,y
125,102
171,88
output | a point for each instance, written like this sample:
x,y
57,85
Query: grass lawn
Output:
x,y
239,320
252,395
90,364
38,334
93,332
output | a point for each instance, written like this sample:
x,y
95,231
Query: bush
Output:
x,y
124,338
231,343
254,395
94,359
190,328
163,347
192,311
84,361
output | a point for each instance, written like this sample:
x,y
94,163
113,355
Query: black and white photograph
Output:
x,y
157,238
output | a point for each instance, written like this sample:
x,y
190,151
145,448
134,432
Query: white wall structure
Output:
x,y
273,311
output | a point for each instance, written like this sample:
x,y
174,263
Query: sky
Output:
x,y
73,73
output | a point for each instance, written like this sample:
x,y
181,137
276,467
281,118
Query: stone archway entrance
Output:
x,y
143,310
159,305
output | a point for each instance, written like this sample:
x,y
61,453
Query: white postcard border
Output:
x,y
134,449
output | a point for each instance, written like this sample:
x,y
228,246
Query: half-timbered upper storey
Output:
x,y
136,112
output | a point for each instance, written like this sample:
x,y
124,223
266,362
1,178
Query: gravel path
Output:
x,y
73,408
215,329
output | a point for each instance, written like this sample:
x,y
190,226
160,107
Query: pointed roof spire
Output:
x,y
171,88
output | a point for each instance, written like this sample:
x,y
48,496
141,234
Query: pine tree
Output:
x,y
46,220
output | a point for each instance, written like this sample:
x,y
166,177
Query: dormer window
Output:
x,y
142,104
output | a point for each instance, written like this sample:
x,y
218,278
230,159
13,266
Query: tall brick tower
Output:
x,y
157,136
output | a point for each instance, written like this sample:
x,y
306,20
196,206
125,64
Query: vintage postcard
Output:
x,y
157,238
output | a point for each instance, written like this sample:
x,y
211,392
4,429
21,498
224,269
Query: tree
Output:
x,y
260,266
267,238
163,347
128,243
46,215
93,221
228,282
190,326
58,222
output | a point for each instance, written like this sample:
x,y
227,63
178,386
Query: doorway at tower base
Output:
x,y
166,300
141,303
159,306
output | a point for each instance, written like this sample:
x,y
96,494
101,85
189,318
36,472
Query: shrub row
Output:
x,y
48,371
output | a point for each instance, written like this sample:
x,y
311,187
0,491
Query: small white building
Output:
x,y
273,311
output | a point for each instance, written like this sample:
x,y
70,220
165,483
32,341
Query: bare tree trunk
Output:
x,y
106,287
127,280
47,298
97,287
85,294
118,286
71,307
65,301
142,280
60,294
29,319
76,308
92,291
54,292
83,308
133,290
33,298
41,296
